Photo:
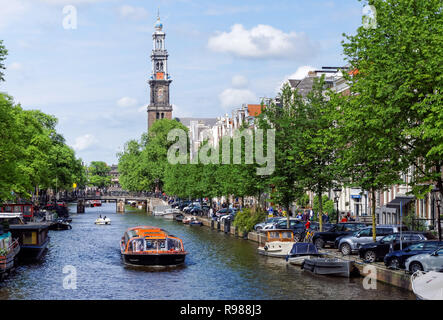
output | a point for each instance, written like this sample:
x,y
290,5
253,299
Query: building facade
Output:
x,y
159,106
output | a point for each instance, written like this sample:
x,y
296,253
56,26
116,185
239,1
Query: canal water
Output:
x,y
218,266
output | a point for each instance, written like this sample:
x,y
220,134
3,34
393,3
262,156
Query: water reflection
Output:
x,y
218,266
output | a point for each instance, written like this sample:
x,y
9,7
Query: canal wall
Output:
x,y
397,278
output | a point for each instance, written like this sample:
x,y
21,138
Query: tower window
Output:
x,y
163,115
158,115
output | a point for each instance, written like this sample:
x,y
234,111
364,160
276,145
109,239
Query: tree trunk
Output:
x,y
373,214
320,209
440,188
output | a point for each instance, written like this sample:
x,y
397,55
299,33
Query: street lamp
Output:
x,y
337,192
437,197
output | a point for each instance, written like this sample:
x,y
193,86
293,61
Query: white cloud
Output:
x,y
126,102
232,98
299,74
143,108
84,142
11,10
239,81
15,66
262,41
136,13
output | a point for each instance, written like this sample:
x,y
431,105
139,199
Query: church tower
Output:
x,y
159,106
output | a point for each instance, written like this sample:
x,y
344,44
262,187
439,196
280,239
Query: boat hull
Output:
x,y
427,286
275,254
152,260
330,267
29,253
298,261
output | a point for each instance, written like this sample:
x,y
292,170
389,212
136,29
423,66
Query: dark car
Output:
x,y
397,259
320,239
374,251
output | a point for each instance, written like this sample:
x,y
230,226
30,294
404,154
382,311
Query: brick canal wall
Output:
x,y
398,278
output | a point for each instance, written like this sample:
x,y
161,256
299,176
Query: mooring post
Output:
x,y
121,206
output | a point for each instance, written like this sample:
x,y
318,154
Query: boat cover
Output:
x,y
303,248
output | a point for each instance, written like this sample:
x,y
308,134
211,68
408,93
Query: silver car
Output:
x,y
352,243
426,262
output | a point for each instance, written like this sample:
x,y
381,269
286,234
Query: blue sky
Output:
x,y
221,54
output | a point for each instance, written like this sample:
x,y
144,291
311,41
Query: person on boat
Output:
x,y
104,218
344,219
308,225
100,216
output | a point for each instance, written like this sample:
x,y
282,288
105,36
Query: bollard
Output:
x,y
218,225
212,224
80,206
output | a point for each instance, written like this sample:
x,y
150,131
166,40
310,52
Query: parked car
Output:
x,y
374,251
351,244
320,239
260,225
223,212
397,259
282,223
426,261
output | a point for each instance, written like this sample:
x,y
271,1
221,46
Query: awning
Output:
x,y
396,202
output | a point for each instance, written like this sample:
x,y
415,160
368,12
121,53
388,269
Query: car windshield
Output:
x,y
416,246
389,238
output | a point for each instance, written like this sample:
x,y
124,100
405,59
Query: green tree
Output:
x,y
317,143
98,174
397,86
281,118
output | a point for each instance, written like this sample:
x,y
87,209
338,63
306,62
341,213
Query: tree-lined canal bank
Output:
x,y
218,267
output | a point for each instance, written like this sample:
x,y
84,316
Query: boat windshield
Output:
x,y
147,244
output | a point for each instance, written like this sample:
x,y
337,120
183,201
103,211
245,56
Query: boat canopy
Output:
x,y
280,235
303,248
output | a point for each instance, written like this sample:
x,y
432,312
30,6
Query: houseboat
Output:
x,y
278,243
33,239
14,210
9,249
151,246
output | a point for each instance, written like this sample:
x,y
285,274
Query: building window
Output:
x,y
158,115
163,115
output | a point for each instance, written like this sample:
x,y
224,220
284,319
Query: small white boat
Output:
x,y
171,213
102,221
278,243
427,285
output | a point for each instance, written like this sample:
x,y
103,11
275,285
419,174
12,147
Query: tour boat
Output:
x,y
9,249
151,246
300,252
427,285
330,266
278,243
102,221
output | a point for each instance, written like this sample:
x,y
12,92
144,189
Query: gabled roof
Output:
x,y
254,110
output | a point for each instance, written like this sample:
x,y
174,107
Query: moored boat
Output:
x,y
151,246
179,218
171,213
278,243
427,285
9,249
33,238
60,224
329,266
300,252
